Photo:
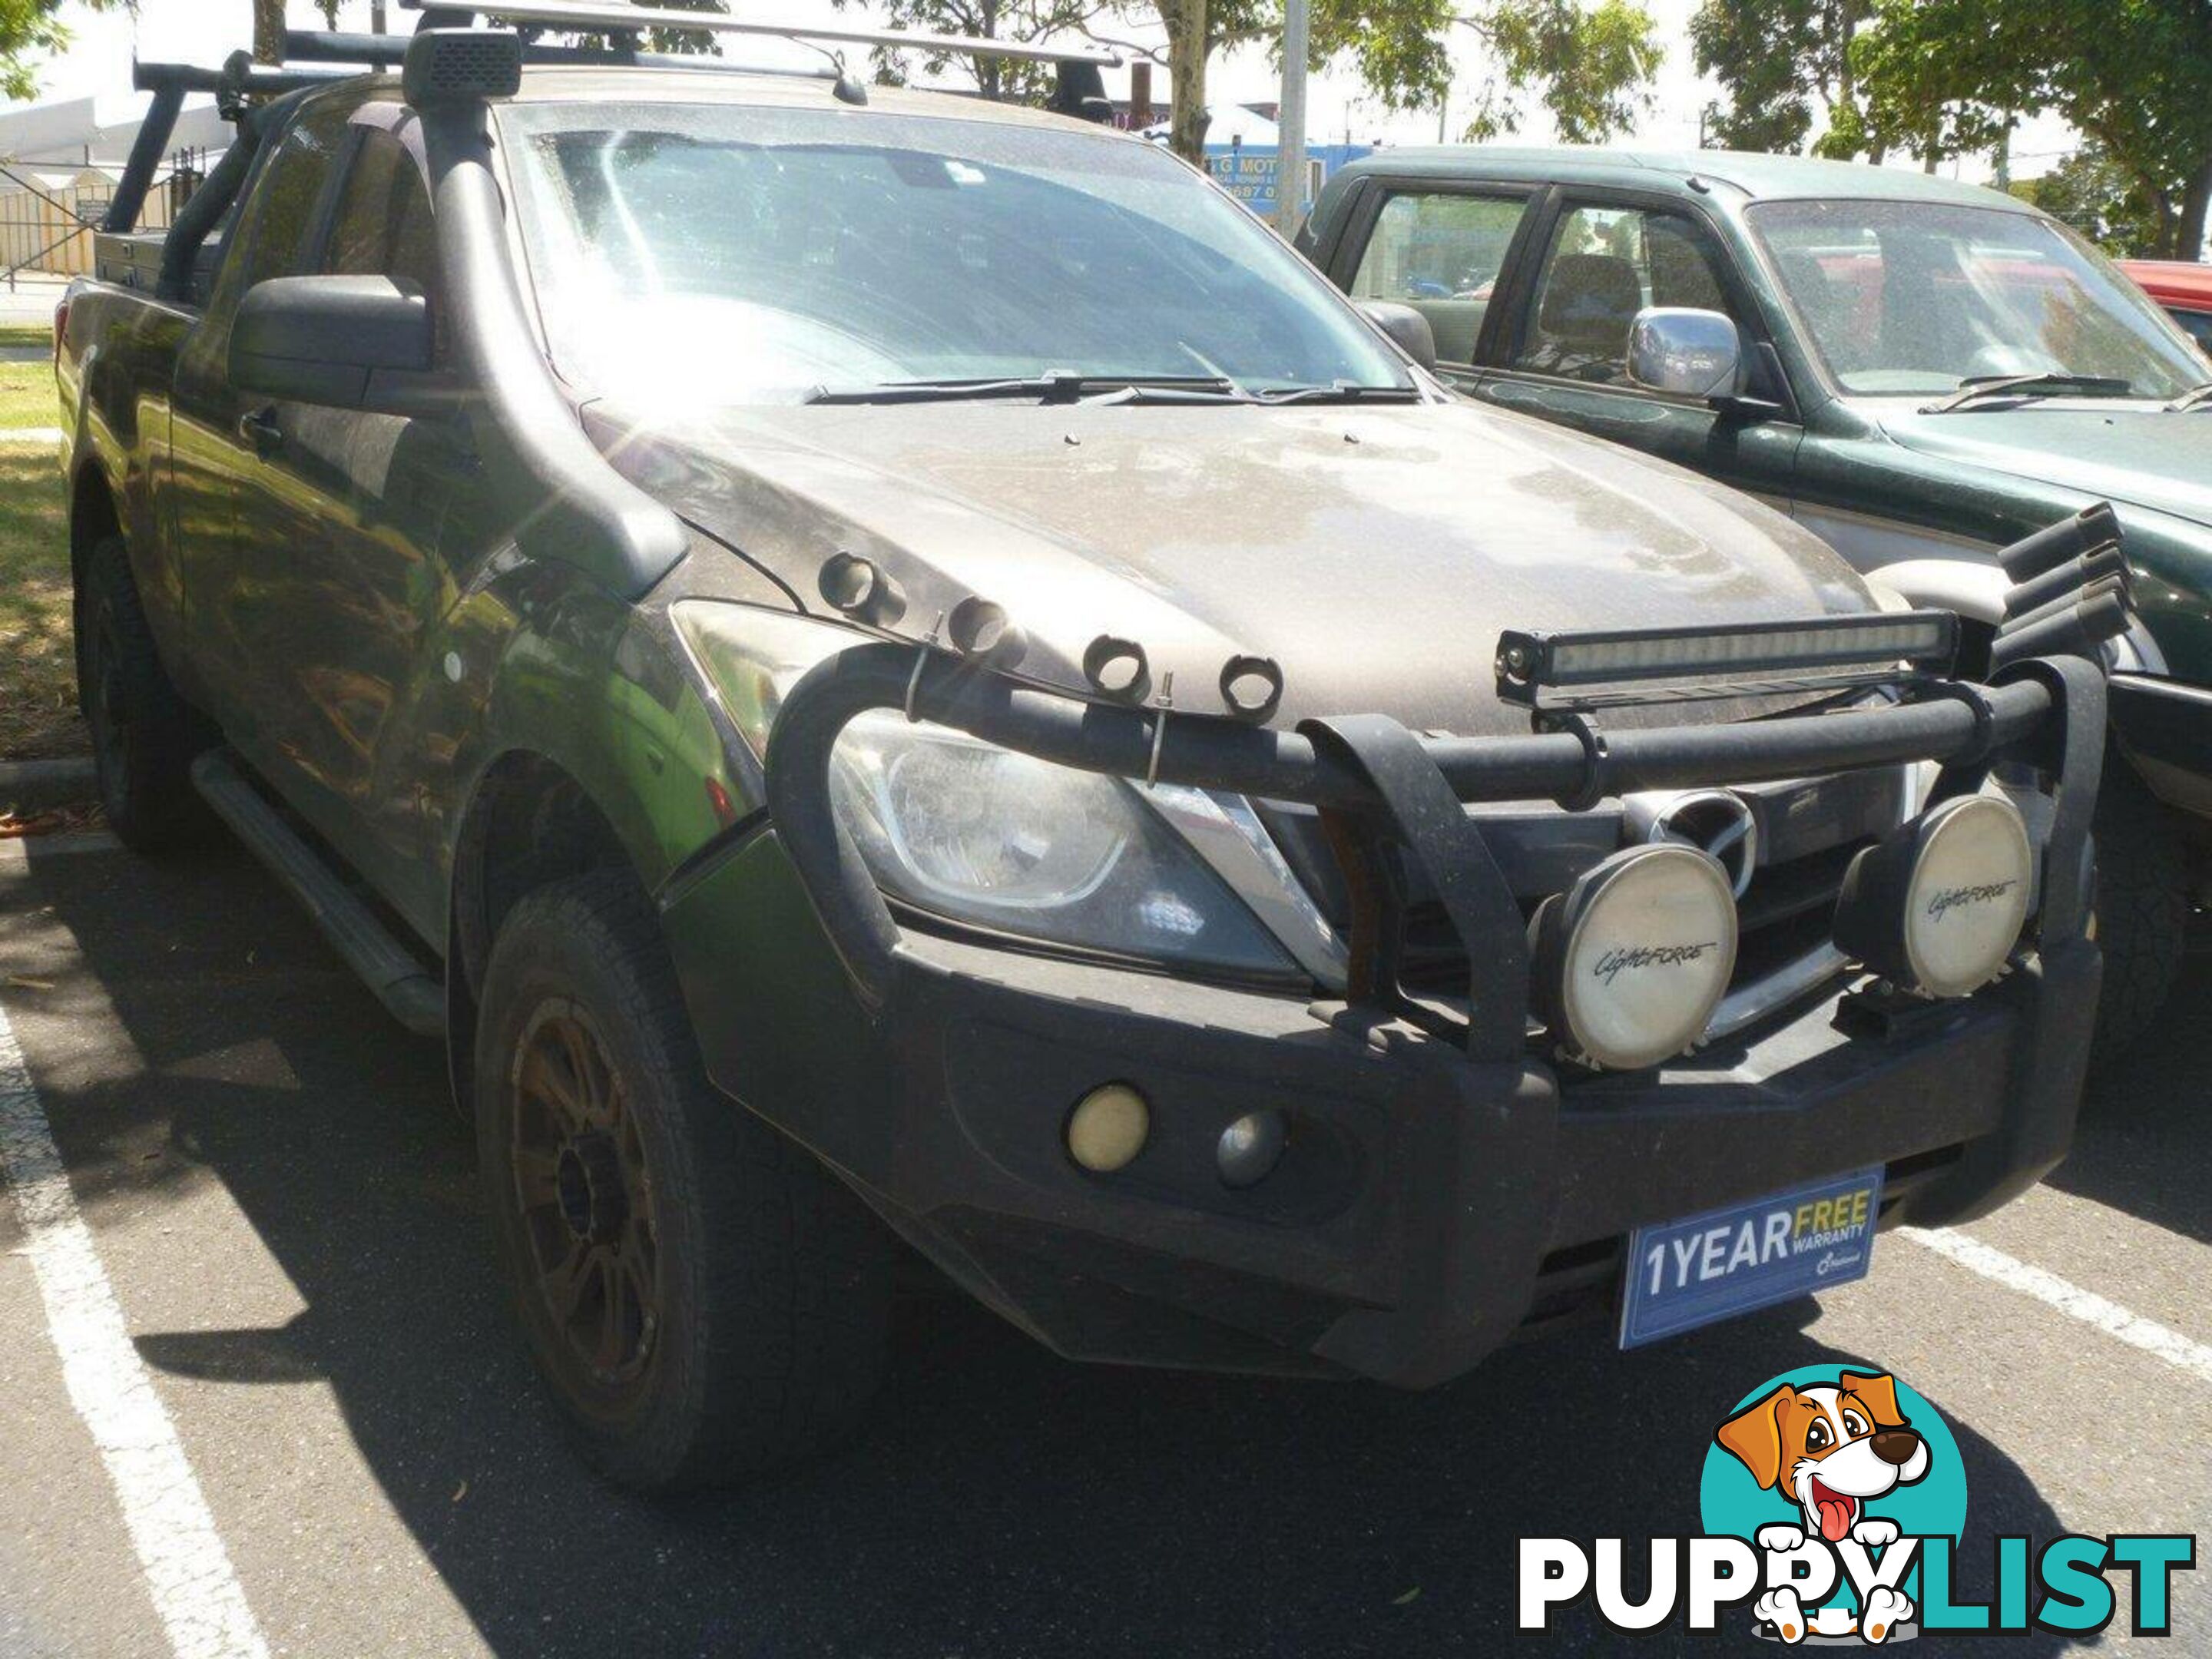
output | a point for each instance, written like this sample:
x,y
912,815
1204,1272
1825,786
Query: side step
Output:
x,y
408,990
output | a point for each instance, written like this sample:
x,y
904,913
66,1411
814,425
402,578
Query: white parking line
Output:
x,y
2147,1335
187,1569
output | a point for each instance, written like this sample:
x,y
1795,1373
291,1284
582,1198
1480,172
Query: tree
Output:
x,y
2097,198
2133,76
989,20
29,32
1776,60
1590,67
1587,63
269,25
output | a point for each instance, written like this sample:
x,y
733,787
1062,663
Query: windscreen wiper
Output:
x,y
1343,391
1054,388
2196,397
1990,385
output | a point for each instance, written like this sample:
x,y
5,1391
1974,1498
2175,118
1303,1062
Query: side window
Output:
x,y
286,195
2197,325
1604,266
382,225
1440,252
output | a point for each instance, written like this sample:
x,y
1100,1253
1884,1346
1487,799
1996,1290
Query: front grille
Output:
x,y
1810,832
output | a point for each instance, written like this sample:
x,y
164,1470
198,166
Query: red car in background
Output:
x,y
2186,290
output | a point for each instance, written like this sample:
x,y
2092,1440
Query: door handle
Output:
x,y
261,429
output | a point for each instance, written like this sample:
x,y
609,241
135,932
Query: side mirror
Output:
x,y
1692,354
346,342
1409,330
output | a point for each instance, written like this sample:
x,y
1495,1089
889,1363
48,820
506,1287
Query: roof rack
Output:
x,y
241,80
390,51
565,15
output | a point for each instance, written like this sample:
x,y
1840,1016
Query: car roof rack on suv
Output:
x,y
625,19
1079,90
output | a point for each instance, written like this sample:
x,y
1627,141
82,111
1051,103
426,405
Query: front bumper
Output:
x,y
1443,1187
1430,1207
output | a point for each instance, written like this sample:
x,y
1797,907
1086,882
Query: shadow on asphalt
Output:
x,y
1003,1502
2145,1132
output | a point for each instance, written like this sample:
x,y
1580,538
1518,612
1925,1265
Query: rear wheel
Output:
x,y
2142,908
144,734
704,1300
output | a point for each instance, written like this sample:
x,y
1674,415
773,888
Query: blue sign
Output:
x,y
1682,1274
1249,173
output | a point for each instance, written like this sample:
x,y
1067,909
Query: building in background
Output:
x,y
59,167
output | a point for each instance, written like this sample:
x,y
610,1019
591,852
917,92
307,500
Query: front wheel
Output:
x,y
703,1299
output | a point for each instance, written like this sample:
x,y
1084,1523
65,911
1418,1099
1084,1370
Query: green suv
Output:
x,y
1916,369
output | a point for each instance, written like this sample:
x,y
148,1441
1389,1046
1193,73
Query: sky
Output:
x,y
97,64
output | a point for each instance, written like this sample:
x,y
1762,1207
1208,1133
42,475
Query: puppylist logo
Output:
x,y
1833,1501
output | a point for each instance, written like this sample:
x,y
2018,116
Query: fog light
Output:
x,y
1250,1148
1107,1128
1629,963
1939,904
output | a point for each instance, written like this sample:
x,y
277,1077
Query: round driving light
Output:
x,y
1250,1148
1630,964
1938,905
1107,1128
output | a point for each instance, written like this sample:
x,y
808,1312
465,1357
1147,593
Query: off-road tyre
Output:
x,y
144,734
760,1285
2142,907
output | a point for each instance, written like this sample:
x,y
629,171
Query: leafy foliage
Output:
x,y
993,19
1590,67
29,33
2134,77
1587,63
1781,64
2099,198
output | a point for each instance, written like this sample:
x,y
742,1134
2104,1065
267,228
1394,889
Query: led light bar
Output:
x,y
1822,652
562,15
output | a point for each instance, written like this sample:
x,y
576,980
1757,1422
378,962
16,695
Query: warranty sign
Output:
x,y
1682,1274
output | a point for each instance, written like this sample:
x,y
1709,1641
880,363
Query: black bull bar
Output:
x,y
1385,792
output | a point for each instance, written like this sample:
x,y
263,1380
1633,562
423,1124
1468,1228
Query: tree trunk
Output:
x,y
268,31
1186,26
2188,241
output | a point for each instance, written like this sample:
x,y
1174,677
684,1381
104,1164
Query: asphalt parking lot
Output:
x,y
274,1187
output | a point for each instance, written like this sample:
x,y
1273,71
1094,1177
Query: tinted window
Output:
x,y
282,211
1440,253
382,227
1604,266
2197,325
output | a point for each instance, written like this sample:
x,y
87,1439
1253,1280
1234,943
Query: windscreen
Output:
x,y
740,253
1917,297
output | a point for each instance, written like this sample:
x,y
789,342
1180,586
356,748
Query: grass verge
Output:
x,y
38,670
28,396
26,334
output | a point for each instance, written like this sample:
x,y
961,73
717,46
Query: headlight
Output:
x,y
982,836
1939,904
1629,965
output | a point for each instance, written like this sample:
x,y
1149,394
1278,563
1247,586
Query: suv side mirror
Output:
x,y
1409,330
358,342
1692,354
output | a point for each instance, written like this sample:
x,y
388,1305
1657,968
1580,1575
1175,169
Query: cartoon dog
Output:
x,y
1832,1448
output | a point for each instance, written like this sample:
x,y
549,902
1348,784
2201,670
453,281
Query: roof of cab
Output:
x,y
1753,176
